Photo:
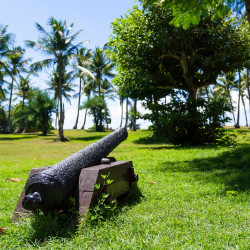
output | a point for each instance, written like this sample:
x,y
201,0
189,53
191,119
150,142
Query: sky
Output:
x,y
94,17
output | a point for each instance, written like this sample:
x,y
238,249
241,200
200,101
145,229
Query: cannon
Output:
x,y
51,188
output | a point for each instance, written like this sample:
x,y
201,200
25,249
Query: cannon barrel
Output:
x,y
50,189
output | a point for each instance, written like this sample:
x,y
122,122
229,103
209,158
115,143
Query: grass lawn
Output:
x,y
187,197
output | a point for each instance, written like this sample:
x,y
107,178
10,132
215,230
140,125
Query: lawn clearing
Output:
x,y
189,197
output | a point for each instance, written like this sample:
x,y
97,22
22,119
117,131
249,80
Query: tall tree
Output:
x,y
248,91
59,44
224,85
237,125
102,69
186,12
66,88
16,65
82,61
25,92
151,52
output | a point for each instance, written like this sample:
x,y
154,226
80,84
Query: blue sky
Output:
x,y
93,16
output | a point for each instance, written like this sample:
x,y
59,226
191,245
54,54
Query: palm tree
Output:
x,y
248,91
58,43
67,87
224,86
88,87
82,61
244,88
5,40
25,92
237,125
16,65
102,68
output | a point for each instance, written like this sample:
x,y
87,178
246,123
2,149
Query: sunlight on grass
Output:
x,y
190,197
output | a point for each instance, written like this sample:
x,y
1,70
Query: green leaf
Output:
x,y
110,181
103,176
97,186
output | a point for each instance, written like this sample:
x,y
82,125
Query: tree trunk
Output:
x,y
126,121
134,118
231,102
17,131
122,111
8,121
61,115
78,108
57,106
25,125
237,125
244,106
248,91
85,116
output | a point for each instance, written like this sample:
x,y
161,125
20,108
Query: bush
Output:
x,y
192,122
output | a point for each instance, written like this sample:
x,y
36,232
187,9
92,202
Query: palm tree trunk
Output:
x,y
17,131
134,118
237,125
244,106
126,121
57,107
79,100
85,116
61,115
8,121
122,111
25,125
248,91
231,102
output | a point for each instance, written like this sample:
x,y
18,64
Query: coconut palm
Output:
x,y
66,88
82,62
224,85
248,92
244,94
16,65
58,43
88,87
237,125
102,68
25,92
5,40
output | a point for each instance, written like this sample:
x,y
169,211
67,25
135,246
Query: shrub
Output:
x,y
193,122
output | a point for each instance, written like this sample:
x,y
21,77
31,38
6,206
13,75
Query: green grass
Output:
x,y
184,200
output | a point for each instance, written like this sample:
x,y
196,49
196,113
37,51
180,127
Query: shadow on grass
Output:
x,y
52,225
17,138
151,140
84,138
65,225
231,168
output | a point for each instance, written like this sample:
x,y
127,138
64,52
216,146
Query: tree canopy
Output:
x,y
151,53
187,12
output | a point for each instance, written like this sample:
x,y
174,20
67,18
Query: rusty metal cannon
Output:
x,y
49,189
